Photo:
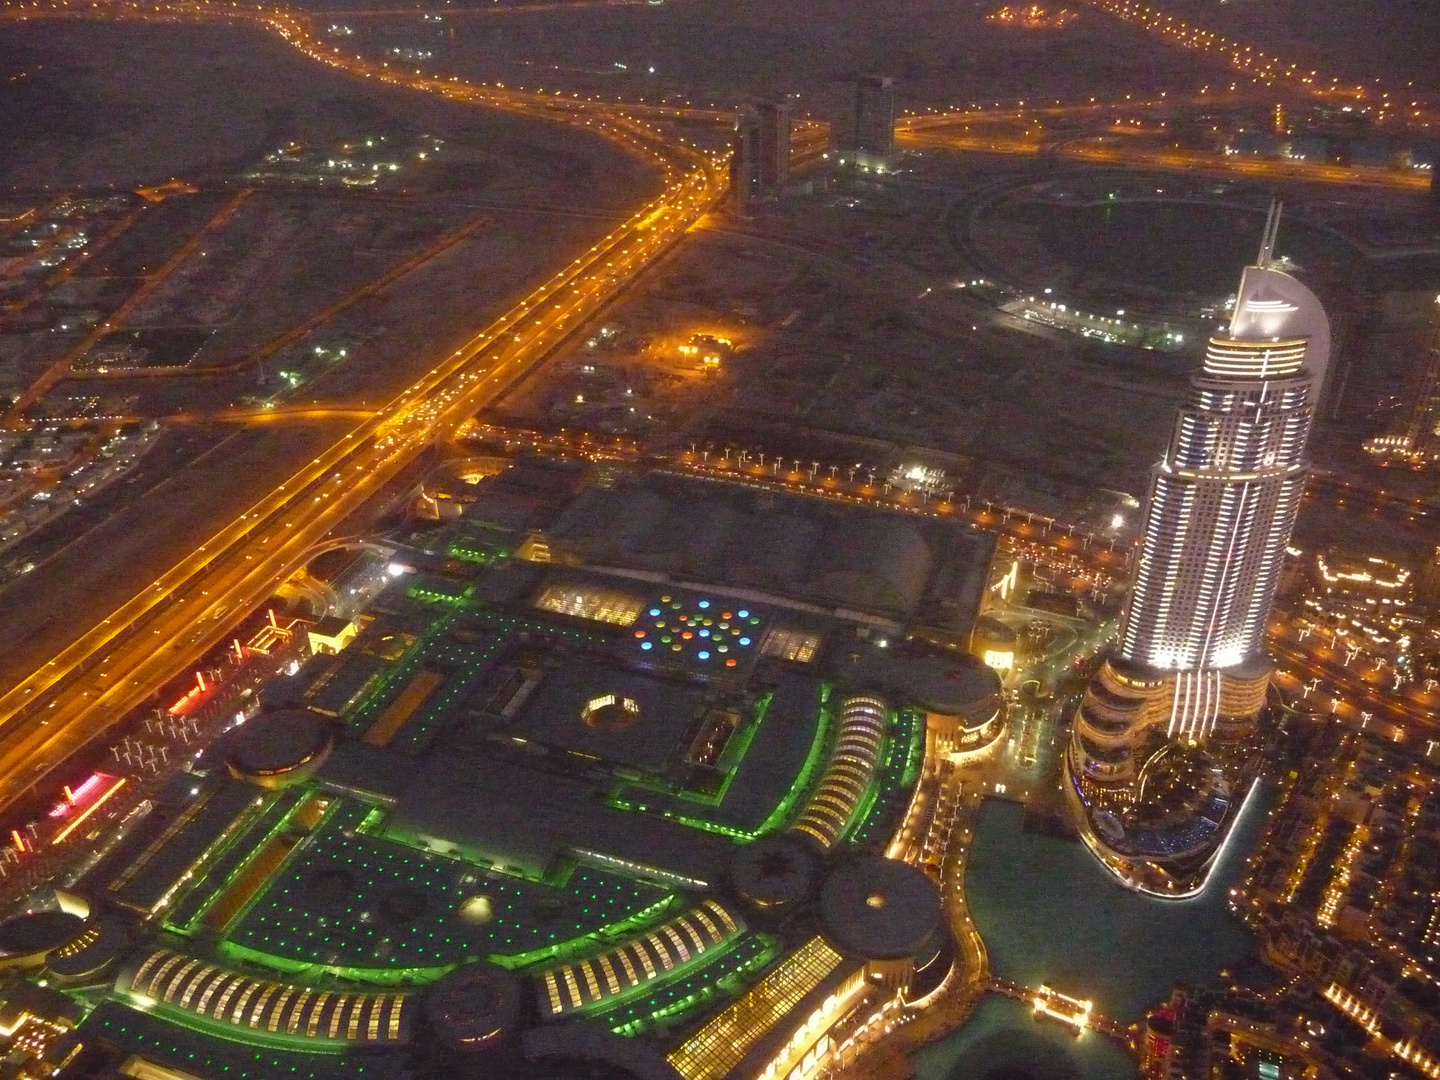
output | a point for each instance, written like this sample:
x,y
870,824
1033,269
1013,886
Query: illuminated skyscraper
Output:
x,y
1157,756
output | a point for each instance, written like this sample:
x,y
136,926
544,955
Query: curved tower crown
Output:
x,y
1223,500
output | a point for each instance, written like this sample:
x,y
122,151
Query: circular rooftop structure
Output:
x,y
279,748
610,712
89,954
774,871
38,932
879,909
474,1007
950,684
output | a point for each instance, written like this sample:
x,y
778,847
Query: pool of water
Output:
x,y
1002,1041
1050,914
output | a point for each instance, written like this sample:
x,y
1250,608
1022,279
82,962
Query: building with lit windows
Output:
x,y
1157,767
595,812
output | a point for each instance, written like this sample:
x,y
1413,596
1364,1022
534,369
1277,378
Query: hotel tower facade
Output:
x,y
1161,754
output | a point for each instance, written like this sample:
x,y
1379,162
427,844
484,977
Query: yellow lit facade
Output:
x,y
714,1051
591,602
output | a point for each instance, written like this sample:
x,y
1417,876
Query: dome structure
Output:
x,y
879,909
277,749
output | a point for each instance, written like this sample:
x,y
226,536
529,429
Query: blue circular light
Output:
x,y
703,655
744,641
646,645
704,603
744,614
654,611
704,633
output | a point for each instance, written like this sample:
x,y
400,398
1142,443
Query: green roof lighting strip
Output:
x,y
432,589
736,749
473,549
236,1005
344,815
464,665
895,778
395,677
806,778
619,803
359,937
175,1043
739,743
490,619
721,975
629,968
186,915
582,946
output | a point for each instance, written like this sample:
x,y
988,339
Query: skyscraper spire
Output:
x,y
1272,233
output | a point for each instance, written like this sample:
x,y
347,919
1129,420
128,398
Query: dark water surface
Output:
x,y
1050,914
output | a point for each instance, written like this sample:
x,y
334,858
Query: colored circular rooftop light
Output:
x,y
704,604
743,614
647,645
703,655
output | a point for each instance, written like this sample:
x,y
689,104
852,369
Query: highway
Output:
x,y
1092,151
158,633
1410,105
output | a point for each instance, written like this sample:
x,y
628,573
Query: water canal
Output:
x,y
1050,914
